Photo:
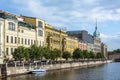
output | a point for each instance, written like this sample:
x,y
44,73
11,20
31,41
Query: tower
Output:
x,y
96,33
97,41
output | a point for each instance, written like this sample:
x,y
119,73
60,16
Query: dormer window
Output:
x,y
11,26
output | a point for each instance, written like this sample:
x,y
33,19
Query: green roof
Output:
x,y
24,24
7,16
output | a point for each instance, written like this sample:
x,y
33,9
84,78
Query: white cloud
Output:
x,y
80,11
111,40
68,15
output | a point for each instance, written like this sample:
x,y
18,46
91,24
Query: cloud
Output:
x,y
69,10
73,14
111,40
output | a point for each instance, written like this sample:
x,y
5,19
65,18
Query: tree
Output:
x,y
34,52
52,55
57,53
26,53
86,54
46,53
100,55
92,55
19,53
77,54
40,52
66,55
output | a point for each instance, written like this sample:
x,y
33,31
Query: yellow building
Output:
x,y
55,38
25,31
71,44
39,26
14,32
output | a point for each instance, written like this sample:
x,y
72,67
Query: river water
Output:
x,y
110,71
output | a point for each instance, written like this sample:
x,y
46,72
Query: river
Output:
x,y
110,71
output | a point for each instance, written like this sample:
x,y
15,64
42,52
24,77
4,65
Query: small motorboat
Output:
x,y
38,71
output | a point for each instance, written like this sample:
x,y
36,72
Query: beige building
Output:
x,y
97,40
104,49
16,31
55,38
90,47
71,44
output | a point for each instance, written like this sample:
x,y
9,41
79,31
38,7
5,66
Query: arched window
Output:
x,y
11,26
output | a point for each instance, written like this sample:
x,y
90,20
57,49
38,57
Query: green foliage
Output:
x,y
19,53
33,52
38,53
116,51
46,53
99,55
92,54
77,54
86,54
56,53
66,55
26,53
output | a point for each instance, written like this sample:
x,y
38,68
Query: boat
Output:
x,y
38,71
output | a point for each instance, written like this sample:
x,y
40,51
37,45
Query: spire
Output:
x,y
96,24
96,32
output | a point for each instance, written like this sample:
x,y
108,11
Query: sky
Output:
x,y
74,15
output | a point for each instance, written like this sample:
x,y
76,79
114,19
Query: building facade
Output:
x,y
104,49
14,32
39,27
71,44
90,47
25,31
55,38
82,45
97,40
82,35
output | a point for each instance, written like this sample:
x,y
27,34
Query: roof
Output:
x,y
74,32
27,25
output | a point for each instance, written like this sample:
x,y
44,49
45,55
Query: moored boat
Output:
x,y
38,71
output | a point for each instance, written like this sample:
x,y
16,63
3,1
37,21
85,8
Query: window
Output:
x,y
11,39
18,30
40,24
22,41
11,26
34,41
15,39
31,42
25,41
28,41
40,32
40,43
7,39
19,40
7,51
22,31
11,50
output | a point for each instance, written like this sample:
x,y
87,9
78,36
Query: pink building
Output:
x,y
82,45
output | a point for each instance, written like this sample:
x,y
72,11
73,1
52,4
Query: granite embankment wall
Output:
x,y
16,70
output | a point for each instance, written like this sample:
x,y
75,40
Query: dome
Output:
x,y
96,33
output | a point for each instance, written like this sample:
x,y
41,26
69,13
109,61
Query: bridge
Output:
x,y
114,56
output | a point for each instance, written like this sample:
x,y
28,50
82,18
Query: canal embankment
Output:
x,y
7,70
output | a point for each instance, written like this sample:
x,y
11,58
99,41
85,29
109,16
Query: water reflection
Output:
x,y
109,71
39,74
